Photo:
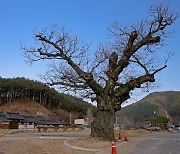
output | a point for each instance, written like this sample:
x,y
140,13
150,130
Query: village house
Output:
x,y
39,123
9,120
4,122
29,122
13,119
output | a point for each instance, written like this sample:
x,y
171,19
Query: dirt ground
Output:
x,y
20,144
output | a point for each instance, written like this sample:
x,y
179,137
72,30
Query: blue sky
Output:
x,y
88,19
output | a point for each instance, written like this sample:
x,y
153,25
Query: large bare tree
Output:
x,y
109,74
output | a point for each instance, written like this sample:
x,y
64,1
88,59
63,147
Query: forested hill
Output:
x,y
28,90
166,104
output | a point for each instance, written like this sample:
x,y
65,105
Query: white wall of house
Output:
x,y
26,126
79,121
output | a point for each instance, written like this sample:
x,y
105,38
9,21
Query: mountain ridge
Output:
x,y
165,103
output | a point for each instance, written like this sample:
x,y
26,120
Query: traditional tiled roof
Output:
x,y
1,113
13,116
29,119
3,118
40,120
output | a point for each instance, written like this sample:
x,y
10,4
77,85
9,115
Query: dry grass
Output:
x,y
4,131
27,108
38,146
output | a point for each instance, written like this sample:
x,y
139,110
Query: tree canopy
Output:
x,y
109,74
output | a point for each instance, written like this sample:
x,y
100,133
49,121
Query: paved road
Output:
x,y
168,143
159,144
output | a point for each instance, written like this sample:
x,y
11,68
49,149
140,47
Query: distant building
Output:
x,y
85,121
79,121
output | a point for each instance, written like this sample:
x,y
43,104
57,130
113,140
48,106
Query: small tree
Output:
x,y
113,71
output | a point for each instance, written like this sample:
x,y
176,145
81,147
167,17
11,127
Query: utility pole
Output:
x,y
70,118
167,117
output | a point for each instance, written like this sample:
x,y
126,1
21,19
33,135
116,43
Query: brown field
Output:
x,y
19,144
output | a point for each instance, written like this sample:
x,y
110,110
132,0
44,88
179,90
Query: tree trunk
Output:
x,y
102,126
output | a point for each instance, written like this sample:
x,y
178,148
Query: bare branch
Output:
x,y
139,63
117,67
158,70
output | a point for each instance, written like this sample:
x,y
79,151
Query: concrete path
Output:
x,y
79,148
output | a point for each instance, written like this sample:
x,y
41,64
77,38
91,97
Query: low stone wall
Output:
x,y
58,129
